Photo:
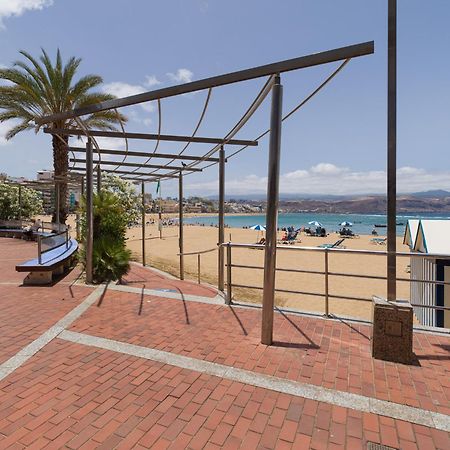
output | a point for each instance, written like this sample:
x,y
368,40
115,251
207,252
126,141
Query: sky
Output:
x,y
335,144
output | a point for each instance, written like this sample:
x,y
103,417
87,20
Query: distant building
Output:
x,y
430,236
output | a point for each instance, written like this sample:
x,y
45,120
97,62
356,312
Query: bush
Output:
x,y
9,202
111,258
125,191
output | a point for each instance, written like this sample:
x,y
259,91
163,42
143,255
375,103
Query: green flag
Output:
x,y
158,187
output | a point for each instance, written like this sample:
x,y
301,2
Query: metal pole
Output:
x,y
89,212
143,222
221,283
327,306
78,215
57,206
198,268
392,152
20,202
99,179
229,287
180,225
272,213
160,225
39,249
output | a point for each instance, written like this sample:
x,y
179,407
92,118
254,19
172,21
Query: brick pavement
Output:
x,y
150,279
70,395
327,353
73,396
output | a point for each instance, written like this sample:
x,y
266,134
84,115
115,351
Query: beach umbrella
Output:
x,y
258,227
345,224
315,224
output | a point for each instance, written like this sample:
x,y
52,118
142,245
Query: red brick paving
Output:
x,y
74,396
26,312
146,277
326,353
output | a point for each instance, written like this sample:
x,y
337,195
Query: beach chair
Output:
x,y
337,244
379,241
291,238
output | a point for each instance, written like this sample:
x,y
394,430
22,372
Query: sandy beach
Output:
x,y
162,254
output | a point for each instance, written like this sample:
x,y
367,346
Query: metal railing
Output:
x,y
47,243
326,273
199,280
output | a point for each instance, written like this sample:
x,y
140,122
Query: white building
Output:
x,y
430,236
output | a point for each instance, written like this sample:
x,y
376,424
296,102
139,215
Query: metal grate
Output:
x,y
375,446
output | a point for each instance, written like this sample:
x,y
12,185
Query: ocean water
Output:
x,y
362,223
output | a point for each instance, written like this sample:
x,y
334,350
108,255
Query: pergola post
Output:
x,y
20,202
272,213
180,225
221,283
143,222
392,152
89,211
99,179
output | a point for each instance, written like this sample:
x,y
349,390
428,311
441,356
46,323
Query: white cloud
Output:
x,y
103,142
327,178
327,169
11,8
121,89
151,80
181,76
4,127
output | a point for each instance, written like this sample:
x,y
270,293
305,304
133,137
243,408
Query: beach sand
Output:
x,y
162,254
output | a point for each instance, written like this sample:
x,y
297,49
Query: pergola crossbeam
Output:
x,y
129,164
126,172
315,59
104,151
151,137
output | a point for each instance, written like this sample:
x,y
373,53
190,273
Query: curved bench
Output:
x,y
53,262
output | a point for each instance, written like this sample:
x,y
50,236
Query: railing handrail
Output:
x,y
327,273
340,250
201,252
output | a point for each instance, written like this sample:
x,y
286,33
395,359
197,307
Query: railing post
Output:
x,y
392,153
229,287
143,221
180,224
327,306
220,277
198,268
39,249
273,179
89,243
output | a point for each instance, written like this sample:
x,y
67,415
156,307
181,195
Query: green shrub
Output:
x,y
111,258
9,202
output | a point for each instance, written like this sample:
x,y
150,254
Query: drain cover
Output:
x,y
375,446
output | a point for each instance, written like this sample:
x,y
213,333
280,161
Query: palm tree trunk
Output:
x,y
61,166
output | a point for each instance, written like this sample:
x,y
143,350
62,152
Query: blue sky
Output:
x,y
335,144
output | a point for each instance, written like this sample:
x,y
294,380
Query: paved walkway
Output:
x,y
158,363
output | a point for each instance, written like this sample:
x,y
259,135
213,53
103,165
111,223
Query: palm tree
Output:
x,y
36,88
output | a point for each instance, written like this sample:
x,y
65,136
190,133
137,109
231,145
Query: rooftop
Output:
x,y
162,363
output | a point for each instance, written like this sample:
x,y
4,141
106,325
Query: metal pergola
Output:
x,y
216,155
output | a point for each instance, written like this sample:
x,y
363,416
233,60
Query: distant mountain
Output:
x,y
438,193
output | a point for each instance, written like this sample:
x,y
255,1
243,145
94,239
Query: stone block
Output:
x,y
392,332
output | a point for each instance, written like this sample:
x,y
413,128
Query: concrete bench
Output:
x,y
53,262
